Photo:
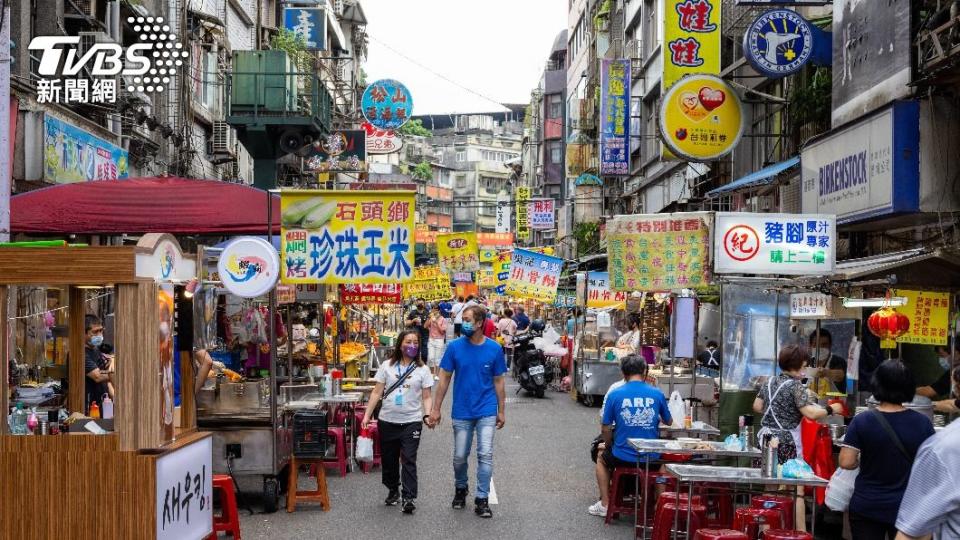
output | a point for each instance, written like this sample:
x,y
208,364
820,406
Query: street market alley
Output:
x,y
543,478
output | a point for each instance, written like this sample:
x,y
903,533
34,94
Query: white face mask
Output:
x,y
822,355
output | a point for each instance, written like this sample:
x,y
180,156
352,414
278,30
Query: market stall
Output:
x,y
154,469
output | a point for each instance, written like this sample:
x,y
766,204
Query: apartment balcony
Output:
x,y
938,52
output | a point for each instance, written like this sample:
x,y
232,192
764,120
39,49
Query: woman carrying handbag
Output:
x,y
403,396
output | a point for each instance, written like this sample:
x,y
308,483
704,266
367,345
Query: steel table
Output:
x,y
705,430
351,399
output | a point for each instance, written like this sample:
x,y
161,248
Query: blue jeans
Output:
x,y
462,443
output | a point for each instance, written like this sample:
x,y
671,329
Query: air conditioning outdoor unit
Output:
x,y
224,139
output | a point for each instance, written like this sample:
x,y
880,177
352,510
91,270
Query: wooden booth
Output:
x,y
149,477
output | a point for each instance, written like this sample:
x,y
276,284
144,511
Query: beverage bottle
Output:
x,y
20,420
94,410
107,407
743,433
32,421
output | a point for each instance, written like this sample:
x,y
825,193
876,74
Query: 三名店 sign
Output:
x,y
341,151
866,170
458,252
534,275
658,252
929,314
701,118
787,244
691,39
614,117
381,141
184,492
540,214
523,222
331,236
599,294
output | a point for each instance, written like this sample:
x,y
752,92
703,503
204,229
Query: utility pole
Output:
x,y
6,182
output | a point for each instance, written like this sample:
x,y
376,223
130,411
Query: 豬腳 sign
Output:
x,y
786,244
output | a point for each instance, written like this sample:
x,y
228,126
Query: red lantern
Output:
x,y
885,323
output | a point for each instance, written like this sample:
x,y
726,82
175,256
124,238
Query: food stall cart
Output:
x,y
147,477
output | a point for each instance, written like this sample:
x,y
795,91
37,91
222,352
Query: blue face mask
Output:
x,y
467,329
96,341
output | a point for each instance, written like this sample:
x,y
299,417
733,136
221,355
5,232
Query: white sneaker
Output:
x,y
597,509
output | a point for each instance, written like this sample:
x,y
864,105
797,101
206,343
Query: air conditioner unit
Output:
x,y
224,139
338,8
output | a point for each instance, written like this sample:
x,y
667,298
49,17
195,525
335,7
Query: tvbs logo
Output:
x,y
74,72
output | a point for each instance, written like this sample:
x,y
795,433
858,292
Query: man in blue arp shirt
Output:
x,y
632,411
478,404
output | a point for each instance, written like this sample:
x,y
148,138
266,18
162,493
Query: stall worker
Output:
x,y
98,376
943,355
635,410
629,342
830,366
710,357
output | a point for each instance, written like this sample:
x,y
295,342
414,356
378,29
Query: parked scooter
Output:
x,y
529,363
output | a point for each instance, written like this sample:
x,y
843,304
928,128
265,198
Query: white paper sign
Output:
x,y
811,305
783,244
603,319
503,213
184,495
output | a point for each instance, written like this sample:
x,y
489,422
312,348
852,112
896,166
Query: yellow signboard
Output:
x,y
458,252
428,289
929,317
523,221
486,278
691,39
701,118
487,255
427,272
330,236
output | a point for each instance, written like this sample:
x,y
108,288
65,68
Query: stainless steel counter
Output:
x,y
736,475
666,446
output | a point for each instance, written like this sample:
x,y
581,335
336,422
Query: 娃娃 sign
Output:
x,y
785,244
691,39
387,104
778,43
701,118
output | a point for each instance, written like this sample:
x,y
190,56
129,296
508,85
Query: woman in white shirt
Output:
x,y
629,342
401,417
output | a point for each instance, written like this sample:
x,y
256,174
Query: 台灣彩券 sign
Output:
x,y
599,294
786,244
701,118
540,214
458,252
371,293
691,39
534,275
614,117
658,252
929,314
333,237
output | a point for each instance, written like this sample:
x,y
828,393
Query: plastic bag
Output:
x,y
732,442
676,408
550,336
796,468
840,489
364,448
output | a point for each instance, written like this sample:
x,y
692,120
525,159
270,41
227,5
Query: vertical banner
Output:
x,y
501,270
353,237
523,224
614,117
458,252
540,214
503,213
599,294
929,314
659,252
691,37
534,275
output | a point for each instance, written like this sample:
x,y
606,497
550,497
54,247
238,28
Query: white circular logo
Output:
x,y
778,43
249,267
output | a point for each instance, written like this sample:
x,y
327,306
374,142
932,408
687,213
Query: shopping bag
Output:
x,y
364,448
840,489
676,408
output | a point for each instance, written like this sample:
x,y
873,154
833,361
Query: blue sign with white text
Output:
x,y
308,24
615,117
386,104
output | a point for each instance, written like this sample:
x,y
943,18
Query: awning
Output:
x,y
143,205
924,268
763,177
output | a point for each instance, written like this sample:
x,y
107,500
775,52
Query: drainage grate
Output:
x,y
518,400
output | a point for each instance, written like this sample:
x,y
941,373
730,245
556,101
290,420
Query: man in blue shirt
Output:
x,y
478,404
633,411
445,307
523,322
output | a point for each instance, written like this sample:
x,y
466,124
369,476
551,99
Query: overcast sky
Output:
x,y
496,48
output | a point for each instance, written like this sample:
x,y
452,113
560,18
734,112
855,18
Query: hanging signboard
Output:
x,y
587,179
785,244
386,104
428,289
599,294
371,293
499,240
565,299
501,271
487,254
309,25
428,272
381,141
523,223
782,2
503,213
534,275
486,279
691,37
248,267
659,252
540,214
778,43
458,252
331,236
701,118
70,154
341,151
929,314
467,289
614,114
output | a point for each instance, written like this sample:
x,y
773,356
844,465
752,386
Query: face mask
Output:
x,y
420,307
822,355
96,341
467,329
411,350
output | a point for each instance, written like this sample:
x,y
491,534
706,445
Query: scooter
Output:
x,y
529,364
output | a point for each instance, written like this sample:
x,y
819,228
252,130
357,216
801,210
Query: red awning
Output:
x,y
144,205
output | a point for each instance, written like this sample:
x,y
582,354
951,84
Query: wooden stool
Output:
x,y
320,495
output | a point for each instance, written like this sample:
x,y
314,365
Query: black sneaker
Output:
x,y
392,498
408,506
482,508
460,499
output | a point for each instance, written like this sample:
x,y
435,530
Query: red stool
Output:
x,y
619,505
781,502
676,458
663,524
719,534
340,461
719,501
229,519
783,534
753,521
672,497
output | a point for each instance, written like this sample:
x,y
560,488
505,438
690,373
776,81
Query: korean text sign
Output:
x,y
614,117
691,39
534,275
785,244
599,294
184,494
658,252
929,316
333,236
458,252
540,214
371,293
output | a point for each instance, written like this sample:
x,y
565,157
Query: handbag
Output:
x,y
388,391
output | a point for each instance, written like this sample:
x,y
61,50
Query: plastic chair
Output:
x,y
619,503
669,512
781,502
229,519
719,501
340,460
320,495
672,497
783,534
719,534
753,521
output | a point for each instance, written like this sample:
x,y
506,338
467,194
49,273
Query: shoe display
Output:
x,y
597,509
392,498
482,508
408,506
460,498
